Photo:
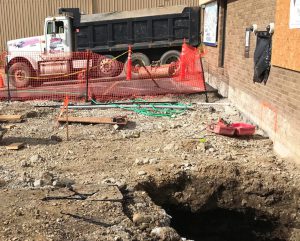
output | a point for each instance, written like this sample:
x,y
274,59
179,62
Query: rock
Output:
x,y
116,127
2,183
138,162
132,134
244,202
169,147
146,160
228,158
141,205
55,138
32,114
201,147
59,220
165,234
211,109
109,181
47,178
27,178
211,150
64,182
35,158
38,183
139,218
153,161
184,156
262,133
142,173
118,238
229,110
25,164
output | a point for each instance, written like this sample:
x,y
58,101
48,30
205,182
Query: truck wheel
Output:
x,y
138,60
170,56
108,67
19,74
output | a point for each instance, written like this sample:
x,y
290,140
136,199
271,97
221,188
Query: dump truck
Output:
x,y
154,34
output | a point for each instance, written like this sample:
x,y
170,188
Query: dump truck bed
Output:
x,y
143,29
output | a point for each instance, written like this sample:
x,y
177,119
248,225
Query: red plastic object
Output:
x,y
243,129
239,129
222,129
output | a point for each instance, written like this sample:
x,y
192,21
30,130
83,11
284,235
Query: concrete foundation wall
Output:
x,y
274,106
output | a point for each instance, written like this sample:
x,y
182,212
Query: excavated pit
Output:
x,y
222,212
222,224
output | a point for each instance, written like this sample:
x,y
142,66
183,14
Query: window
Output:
x,y
49,27
210,34
59,27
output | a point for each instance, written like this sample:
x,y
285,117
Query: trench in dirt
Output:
x,y
215,223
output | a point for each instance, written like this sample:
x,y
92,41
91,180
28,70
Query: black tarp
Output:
x,y
262,57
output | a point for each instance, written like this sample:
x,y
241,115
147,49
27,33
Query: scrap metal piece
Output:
x,y
118,120
107,193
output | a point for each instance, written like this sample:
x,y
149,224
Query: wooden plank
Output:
x,y
285,46
11,118
95,120
15,146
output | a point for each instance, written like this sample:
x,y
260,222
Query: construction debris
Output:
x,y
11,118
87,192
123,179
15,146
118,120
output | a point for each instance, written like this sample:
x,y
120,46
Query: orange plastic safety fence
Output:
x,y
2,71
82,75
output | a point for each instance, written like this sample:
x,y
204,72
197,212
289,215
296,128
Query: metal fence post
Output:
x,y
7,79
203,77
87,77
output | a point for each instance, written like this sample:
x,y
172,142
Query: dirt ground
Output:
x,y
108,184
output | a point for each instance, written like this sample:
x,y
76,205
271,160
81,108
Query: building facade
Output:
x,y
275,106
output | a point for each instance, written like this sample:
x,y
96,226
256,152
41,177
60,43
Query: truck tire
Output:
x,y
19,74
108,67
138,59
170,56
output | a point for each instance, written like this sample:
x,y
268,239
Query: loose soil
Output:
x,y
108,184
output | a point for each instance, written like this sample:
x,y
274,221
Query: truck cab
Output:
x,y
58,35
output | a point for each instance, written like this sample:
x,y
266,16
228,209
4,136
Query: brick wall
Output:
x,y
275,107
